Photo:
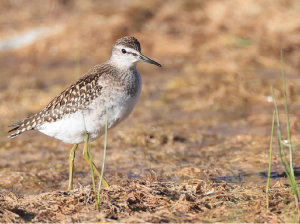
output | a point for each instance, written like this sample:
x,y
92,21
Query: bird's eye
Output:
x,y
123,51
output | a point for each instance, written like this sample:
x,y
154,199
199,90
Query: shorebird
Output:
x,y
81,108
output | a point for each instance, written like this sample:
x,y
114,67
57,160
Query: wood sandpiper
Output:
x,y
80,108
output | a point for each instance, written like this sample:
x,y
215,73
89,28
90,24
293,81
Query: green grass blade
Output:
x,y
293,182
91,163
287,164
270,160
279,139
287,145
92,172
283,159
287,118
104,157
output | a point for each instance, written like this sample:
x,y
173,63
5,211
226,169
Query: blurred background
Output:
x,y
205,114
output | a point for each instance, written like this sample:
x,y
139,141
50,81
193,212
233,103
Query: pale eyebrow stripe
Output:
x,y
134,54
127,50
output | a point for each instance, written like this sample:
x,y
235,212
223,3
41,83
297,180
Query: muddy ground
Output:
x,y
196,147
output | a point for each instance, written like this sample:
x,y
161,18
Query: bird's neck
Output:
x,y
121,64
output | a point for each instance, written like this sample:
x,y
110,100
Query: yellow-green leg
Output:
x,y
71,170
86,156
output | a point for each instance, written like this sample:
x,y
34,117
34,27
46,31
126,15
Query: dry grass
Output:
x,y
205,115
151,201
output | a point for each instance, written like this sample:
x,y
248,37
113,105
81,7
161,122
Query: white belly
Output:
x,y
71,128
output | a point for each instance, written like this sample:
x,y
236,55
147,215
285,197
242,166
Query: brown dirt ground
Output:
x,y
195,149
152,201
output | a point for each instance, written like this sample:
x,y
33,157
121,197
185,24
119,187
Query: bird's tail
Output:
x,y
25,125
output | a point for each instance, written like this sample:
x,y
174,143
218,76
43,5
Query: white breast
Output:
x,y
71,128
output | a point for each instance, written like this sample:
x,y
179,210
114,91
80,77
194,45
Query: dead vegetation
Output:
x,y
151,201
195,148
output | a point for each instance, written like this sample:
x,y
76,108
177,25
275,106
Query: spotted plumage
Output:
x,y
115,85
75,97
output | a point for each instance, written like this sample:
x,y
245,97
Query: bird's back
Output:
x,y
76,97
114,85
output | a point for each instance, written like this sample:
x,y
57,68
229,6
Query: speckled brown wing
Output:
x,y
76,97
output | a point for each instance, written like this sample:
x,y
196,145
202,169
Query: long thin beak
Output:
x,y
148,60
